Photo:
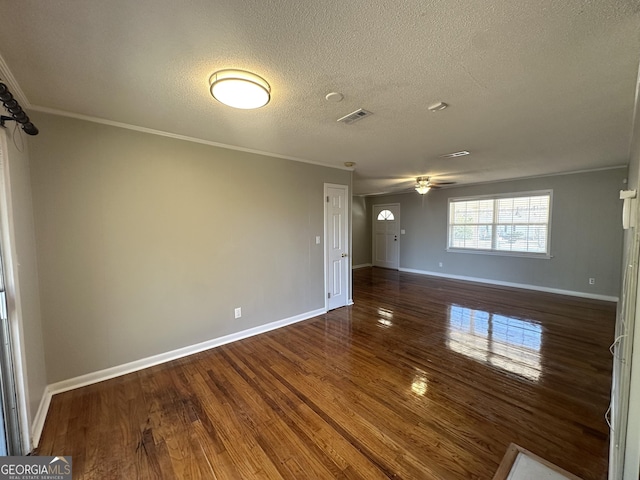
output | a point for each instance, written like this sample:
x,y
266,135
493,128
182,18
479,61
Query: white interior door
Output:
x,y
386,235
337,245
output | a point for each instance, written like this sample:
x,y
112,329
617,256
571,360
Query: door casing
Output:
x,y
395,208
328,269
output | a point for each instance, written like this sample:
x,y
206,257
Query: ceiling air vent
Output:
x,y
355,116
455,154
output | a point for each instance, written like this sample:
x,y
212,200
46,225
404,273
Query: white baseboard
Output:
x,y
362,265
41,416
593,296
108,373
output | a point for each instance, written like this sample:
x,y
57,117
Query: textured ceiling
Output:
x,y
535,87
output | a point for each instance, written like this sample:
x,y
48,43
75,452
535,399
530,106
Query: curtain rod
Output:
x,y
17,114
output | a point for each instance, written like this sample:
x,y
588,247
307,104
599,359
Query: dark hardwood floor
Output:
x,y
423,378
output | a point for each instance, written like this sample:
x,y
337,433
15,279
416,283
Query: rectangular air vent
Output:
x,y
455,154
355,116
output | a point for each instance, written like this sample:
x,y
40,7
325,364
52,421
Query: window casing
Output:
x,y
510,224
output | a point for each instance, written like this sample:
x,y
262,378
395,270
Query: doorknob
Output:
x,y
344,255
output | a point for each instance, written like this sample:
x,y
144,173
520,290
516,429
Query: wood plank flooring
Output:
x,y
423,378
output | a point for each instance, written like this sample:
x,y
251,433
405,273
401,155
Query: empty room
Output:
x,y
296,240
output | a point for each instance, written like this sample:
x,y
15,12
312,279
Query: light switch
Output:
x,y
402,232
318,240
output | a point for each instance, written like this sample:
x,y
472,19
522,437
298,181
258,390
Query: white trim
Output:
x,y
325,191
494,250
362,265
112,123
559,291
502,180
14,298
10,81
541,175
41,416
501,253
112,372
16,91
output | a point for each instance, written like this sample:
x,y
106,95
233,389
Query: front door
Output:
x,y
386,229
337,246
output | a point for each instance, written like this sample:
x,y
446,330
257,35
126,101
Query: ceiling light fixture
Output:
x,y
422,185
334,97
240,89
437,107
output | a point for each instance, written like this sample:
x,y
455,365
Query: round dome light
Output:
x,y
240,89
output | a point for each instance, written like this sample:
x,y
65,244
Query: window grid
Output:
x,y
505,224
386,215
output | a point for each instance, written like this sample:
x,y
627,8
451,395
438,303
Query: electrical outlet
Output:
x,y
440,264
592,281
238,312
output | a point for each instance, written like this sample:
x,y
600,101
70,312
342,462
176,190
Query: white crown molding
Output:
x,y
112,123
504,180
7,77
10,81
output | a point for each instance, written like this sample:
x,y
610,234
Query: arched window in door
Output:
x,y
385,215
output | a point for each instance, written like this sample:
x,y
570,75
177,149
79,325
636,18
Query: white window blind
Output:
x,y
515,223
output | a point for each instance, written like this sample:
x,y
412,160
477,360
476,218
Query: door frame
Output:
x,y
373,229
326,242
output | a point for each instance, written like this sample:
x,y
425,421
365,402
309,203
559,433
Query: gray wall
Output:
x,y
586,234
147,244
361,232
25,249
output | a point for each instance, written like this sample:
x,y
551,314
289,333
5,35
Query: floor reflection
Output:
x,y
385,318
419,384
511,344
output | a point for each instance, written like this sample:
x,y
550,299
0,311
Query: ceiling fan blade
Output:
x,y
442,183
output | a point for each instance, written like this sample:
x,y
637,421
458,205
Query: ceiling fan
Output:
x,y
423,185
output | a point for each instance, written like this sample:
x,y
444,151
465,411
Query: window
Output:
x,y
509,224
385,215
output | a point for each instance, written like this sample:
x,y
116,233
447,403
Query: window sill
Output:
x,y
542,256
